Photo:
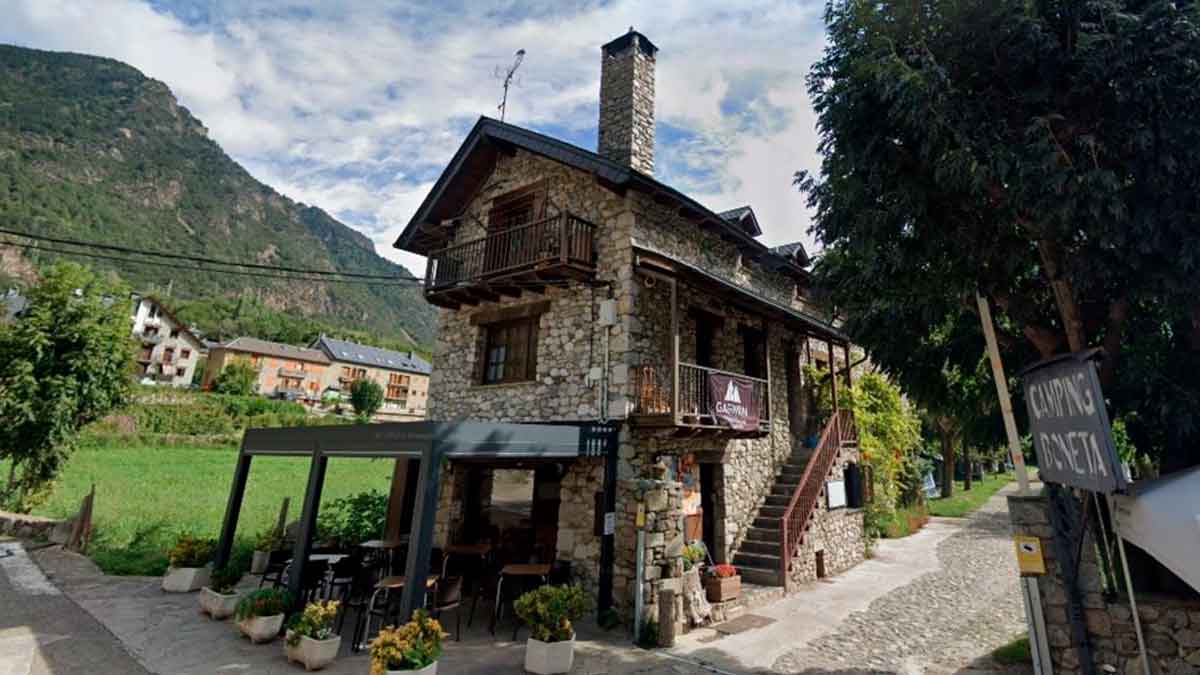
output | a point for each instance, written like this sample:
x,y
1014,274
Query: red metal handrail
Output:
x,y
838,430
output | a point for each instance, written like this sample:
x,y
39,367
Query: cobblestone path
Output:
x,y
946,621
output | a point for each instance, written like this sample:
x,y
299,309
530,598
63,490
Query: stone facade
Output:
x,y
1171,626
627,101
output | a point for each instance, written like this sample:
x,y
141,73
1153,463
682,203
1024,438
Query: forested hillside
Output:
x,y
91,149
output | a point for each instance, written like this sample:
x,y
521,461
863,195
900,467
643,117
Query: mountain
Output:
x,y
91,149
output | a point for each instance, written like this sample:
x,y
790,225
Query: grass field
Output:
x,y
963,502
145,495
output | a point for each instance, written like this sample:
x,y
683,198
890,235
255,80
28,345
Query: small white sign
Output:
x,y
610,523
835,490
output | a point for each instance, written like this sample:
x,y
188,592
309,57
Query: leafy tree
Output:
x,y
66,362
366,396
237,378
1030,151
889,434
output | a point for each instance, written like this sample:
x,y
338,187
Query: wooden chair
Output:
x,y
449,596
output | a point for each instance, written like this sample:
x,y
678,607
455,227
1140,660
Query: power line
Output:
x,y
211,261
396,282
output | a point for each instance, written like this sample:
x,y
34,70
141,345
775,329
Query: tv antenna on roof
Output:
x,y
508,79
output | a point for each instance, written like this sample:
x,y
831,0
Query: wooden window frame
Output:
x,y
531,198
517,341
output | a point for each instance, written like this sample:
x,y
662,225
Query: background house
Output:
x,y
284,371
168,351
404,376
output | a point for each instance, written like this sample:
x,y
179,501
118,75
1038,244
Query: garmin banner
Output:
x,y
732,401
1070,426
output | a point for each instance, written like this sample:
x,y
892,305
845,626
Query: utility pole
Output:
x,y
1010,423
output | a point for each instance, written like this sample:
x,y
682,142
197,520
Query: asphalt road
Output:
x,y
42,632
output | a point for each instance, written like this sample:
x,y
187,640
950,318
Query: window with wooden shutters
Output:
x,y
517,208
510,351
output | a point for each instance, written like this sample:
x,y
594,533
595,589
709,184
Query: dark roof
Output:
x,y
795,251
352,352
622,42
743,217
276,349
476,157
815,326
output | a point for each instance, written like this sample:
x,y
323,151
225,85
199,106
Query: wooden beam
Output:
x,y
396,499
675,350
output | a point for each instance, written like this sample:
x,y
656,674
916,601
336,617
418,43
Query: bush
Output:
x,y
549,611
268,540
316,622
366,396
264,602
223,579
692,555
352,520
191,551
724,571
412,646
237,377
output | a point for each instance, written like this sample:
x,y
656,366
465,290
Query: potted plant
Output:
x,y
265,543
549,611
724,584
218,598
413,649
189,559
311,639
260,613
693,557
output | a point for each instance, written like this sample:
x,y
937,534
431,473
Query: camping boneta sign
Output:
x,y
1070,426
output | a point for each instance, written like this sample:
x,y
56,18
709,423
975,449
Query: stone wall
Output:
x,y
1171,626
30,527
577,540
663,553
626,128
838,535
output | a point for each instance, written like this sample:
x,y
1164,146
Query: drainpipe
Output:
x,y
640,571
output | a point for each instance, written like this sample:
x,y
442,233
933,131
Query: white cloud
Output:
x,y
355,108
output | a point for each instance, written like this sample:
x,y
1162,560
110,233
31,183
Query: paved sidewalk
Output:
x,y
43,632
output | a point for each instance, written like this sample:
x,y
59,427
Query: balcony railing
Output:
x,y
564,240
292,372
151,338
654,398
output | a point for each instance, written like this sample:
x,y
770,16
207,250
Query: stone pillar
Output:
x,y
1171,625
663,555
578,542
627,101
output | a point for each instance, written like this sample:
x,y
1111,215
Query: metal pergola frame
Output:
x,y
431,443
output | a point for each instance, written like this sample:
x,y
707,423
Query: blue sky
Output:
x,y
356,107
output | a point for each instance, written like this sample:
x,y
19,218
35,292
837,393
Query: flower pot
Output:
x,y
430,669
218,605
185,579
723,590
258,563
261,628
314,654
549,658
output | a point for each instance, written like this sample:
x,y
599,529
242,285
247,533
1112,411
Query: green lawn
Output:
x,y
964,502
147,494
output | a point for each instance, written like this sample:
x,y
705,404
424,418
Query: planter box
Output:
x,y
261,628
218,605
723,590
314,654
258,563
185,579
430,669
549,658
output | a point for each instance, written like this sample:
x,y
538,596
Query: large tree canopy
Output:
x,y
65,362
1040,152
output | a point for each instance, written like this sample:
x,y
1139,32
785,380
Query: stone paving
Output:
x,y
938,602
946,621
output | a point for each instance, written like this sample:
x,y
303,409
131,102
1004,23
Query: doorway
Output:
x,y
708,510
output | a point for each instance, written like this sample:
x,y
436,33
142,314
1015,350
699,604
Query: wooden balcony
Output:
x,y
292,372
523,258
692,413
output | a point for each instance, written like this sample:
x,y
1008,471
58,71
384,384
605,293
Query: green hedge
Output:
x,y
204,414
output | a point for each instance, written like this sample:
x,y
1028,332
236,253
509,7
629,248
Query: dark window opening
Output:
x,y
754,346
517,208
510,351
820,564
705,334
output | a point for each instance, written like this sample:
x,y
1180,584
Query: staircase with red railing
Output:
x,y
787,514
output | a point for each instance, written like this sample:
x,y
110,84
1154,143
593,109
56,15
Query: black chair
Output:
x,y
276,565
312,580
449,596
342,573
357,597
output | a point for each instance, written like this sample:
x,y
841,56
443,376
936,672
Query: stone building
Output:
x,y
573,286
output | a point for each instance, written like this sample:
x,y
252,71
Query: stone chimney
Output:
x,y
627,101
